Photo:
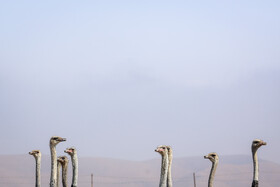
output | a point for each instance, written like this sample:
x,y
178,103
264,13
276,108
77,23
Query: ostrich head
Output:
x,y
35,153
257,143
163,149
56,139
213,157
62,159
71,151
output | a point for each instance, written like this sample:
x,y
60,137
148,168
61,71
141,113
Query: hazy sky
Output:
x,y
118,78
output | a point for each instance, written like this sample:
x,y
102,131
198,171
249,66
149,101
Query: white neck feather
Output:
x,y
164,170
212,173
38,169
53,180
74,159
256,166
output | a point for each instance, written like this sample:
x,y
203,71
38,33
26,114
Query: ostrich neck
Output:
x,y
58,173
64,174
169,178
38,169
256,166
74,159
53,181
212,173
164,170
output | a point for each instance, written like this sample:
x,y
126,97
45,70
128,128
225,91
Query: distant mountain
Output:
x,y
233,171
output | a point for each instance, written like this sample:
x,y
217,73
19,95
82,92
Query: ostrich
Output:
x,y
63,160
53,142
256,144
214,158
37,156
74,158
163,151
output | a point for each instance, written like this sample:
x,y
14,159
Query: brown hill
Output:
x,y
233,171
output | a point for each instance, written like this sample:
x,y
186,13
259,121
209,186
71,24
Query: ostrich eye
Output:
x,y
163,148
213,155
255,142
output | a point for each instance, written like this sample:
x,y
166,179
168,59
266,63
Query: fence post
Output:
x,y
194,182
91,180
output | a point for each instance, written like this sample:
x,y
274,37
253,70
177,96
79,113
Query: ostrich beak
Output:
x,y
68,151
63,139
263,143
205,157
